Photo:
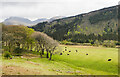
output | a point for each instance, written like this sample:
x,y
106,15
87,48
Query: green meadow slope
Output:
x,y
76,63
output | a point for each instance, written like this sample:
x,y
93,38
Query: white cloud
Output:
x,y
49,8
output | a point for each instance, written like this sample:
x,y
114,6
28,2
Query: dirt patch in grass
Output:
x,y
30,56
32,63
16,70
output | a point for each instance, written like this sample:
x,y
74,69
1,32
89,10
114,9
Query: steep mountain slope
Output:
x,y
100,22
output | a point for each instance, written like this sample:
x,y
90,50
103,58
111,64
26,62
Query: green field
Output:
x,y
76,63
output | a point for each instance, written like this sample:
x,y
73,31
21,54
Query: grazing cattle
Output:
x,y
87,54
67,54
109,59
76,51
60,53
69,51
65,49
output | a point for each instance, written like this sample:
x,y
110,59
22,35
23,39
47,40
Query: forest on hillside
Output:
x,y
90,27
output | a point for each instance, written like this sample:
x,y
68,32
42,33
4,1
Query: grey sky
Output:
x,y
34,9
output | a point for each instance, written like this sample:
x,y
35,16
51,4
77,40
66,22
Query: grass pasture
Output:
x,y
86,61
97,58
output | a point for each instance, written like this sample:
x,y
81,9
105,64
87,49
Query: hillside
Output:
x,y
27,22
22,21
100,24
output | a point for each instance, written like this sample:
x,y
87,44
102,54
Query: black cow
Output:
x,y
109,59
60,53
65,49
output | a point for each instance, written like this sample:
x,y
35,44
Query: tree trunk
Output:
x,y
23,46
31,46
19,46
37,48
42,51
9,47
50,56
6,43
27,46
41,54
47,53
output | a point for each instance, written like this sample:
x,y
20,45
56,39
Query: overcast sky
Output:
x,y
34,9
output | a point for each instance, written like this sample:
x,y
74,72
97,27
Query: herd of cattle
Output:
x,y
76,51
70,51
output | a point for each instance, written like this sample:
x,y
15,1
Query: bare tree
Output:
x,y
51,46
45,42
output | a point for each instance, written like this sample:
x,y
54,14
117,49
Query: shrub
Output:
x,y
86,44
96,43
109,43
18,51
112,43
117,43
64,42
7,54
